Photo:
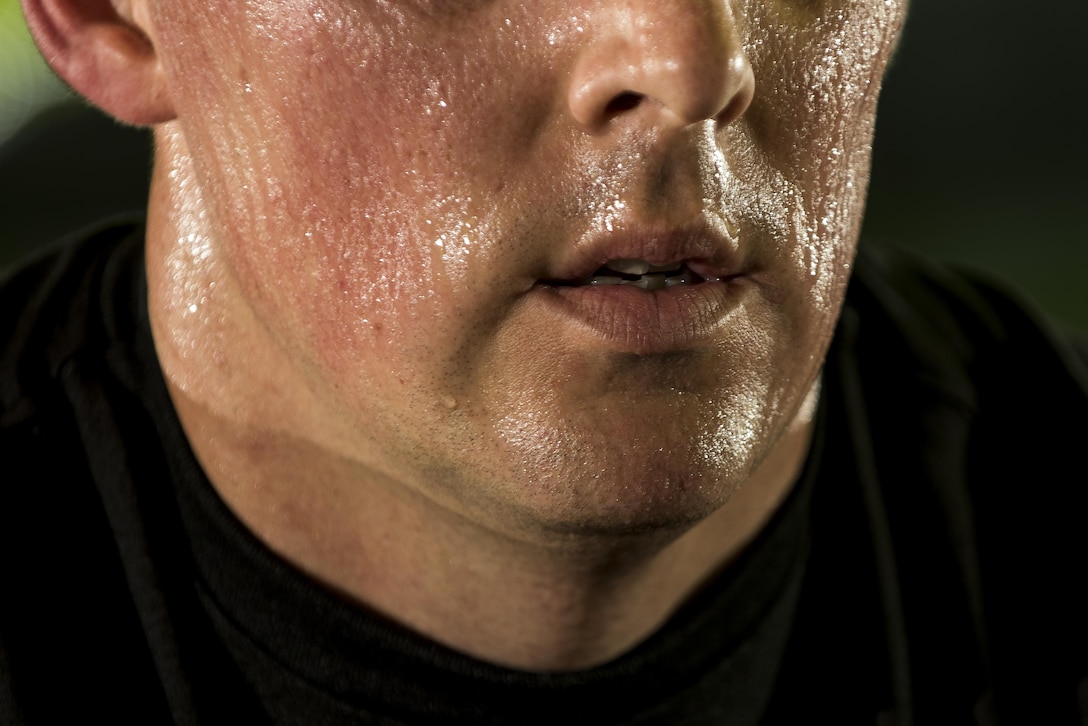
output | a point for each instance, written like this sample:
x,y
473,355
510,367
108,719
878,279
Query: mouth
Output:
x,y
645,290
640,274
649,257
634,306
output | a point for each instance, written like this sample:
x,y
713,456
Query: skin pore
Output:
x,y
367,228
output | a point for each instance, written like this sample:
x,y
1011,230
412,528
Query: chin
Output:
x,y
598,487
663,504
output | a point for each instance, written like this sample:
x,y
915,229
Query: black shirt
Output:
x,y
927,566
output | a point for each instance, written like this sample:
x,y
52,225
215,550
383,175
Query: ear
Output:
x,y
103,50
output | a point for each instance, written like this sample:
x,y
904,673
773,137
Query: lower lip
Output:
x,y
633,320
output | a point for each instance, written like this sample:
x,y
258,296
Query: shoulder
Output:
x,y
65,307
59,552
984,347
930,305
58,302
61,307
978,413
53,314
928,338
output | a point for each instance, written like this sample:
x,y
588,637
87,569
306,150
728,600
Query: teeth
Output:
x,y
605,280
679,279
641,267
653,281
630,267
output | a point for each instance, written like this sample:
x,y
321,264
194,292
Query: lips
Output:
x,y
707,249
642,291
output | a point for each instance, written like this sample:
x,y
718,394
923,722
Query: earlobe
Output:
x,y
103,55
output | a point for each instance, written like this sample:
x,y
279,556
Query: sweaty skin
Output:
x,y
367,224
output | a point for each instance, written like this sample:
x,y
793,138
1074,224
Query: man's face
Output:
x,y
413,195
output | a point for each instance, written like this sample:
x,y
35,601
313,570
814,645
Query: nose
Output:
x,y
681,60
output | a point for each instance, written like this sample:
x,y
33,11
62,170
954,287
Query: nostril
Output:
x,y
623,102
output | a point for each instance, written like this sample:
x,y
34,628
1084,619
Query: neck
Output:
x,y
573,602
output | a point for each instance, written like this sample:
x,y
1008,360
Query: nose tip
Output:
x,y
683,58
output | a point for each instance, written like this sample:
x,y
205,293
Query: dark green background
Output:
x,y
980,154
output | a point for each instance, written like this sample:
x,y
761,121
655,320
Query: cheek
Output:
x,y
341,226
818,68
818,73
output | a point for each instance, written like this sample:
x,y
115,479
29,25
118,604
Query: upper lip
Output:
x,y
709,249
